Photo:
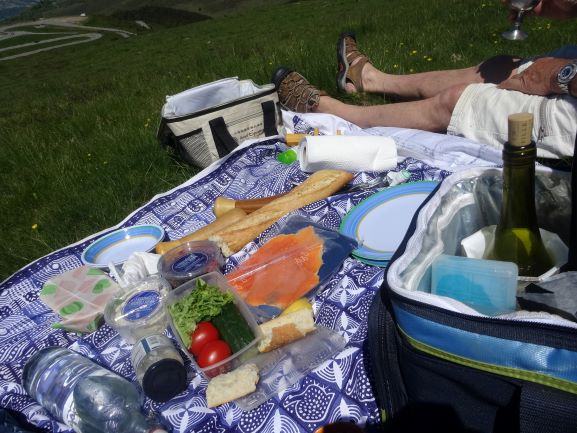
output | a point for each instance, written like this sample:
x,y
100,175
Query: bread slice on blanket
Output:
x,y
230,386
285,329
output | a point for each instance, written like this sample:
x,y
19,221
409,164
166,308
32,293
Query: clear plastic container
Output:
x,y
238,358
189,260
285,366
139,312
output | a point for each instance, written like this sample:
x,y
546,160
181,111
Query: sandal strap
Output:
x,y
353,55
355,71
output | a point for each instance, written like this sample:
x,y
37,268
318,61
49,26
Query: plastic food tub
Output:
x,y
189,260
237,358
139,312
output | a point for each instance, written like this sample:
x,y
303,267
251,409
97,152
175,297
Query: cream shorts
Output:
x,y
482,110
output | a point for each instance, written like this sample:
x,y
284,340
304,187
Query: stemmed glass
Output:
x,y
521,6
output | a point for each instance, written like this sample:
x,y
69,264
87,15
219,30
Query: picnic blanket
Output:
x,y
339,389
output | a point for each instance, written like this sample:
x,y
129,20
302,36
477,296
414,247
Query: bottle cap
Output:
x,y
164,379
287,157
520,129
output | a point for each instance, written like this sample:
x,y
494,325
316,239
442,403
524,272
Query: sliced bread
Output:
x,y
230,386
286,329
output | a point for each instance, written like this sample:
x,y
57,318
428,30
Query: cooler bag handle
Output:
x,y
223,141
269,118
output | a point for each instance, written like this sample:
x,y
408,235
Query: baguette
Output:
x,y
230,386
318,186
223,204
205,232
286,329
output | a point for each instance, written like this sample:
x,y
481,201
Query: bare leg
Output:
x,y
427,84
431,114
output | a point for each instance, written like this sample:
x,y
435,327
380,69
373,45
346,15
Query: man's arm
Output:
x,y
556,9
541,78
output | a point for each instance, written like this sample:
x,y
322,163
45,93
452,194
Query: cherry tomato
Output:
x,y
213,352
204,332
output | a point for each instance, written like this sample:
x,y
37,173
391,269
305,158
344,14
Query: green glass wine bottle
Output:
x,y
517,237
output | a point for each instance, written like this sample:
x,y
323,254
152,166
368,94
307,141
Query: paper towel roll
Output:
x,y
347,152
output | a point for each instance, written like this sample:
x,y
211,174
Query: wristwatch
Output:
x,y
565,76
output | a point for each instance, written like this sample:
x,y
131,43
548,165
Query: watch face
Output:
x,y
567,73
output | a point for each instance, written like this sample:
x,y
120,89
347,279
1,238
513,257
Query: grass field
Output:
x,y
77,125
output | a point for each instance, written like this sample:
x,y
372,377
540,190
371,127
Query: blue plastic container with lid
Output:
x,y
488,286
190,260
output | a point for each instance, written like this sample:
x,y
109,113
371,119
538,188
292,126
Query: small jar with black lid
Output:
x,y
159,367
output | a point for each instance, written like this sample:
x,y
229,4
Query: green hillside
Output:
x,y
211,8
77,124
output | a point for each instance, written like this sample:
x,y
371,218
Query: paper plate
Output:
x,y
117,246
380,222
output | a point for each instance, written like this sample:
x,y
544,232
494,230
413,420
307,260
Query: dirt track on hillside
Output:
x,y
69,22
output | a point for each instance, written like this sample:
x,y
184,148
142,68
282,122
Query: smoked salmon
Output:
x,y
281,271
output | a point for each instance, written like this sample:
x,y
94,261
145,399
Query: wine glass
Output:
x,y
521,6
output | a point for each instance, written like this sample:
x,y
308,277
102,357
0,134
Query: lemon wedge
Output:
x,y
297,305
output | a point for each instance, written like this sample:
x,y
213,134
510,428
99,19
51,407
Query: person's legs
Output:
x,y
361,75
427,84
430,114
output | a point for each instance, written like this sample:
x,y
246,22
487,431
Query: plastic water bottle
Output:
x,y
104,404
83,395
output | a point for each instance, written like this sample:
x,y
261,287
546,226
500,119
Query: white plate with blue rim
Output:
x,y
380,222
117,246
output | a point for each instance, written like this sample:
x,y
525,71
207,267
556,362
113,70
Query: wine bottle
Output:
x,y
517,237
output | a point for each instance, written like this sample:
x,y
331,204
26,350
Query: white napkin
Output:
x,y
137,267
347,152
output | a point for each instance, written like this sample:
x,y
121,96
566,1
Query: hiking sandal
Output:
x,y
294,91
347,54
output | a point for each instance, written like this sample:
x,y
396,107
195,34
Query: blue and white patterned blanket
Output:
x,y
339,389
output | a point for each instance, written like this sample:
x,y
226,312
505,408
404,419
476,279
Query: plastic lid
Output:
x,y
190,260
164,379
